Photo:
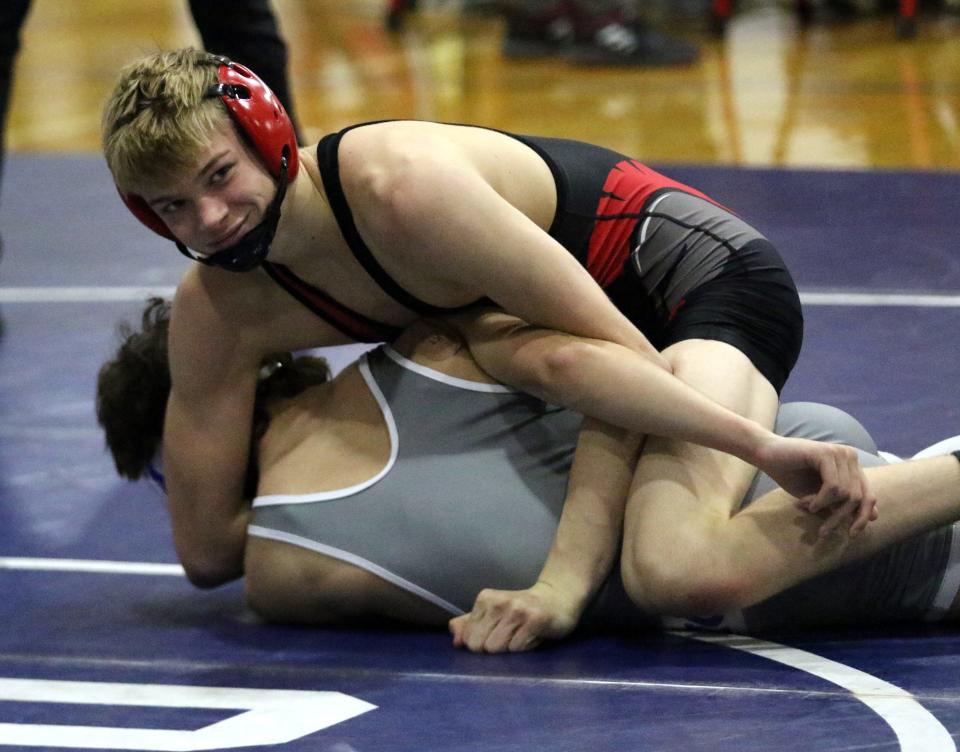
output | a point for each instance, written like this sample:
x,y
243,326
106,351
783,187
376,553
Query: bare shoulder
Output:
x,y
208,292
390,163
216,322
393,140
396,143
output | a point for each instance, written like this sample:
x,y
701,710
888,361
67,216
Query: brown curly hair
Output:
x,y
133,387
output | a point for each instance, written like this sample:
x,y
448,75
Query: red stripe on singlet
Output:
x,y
627,188
359,328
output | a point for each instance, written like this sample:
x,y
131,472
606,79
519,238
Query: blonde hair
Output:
x,y
159,116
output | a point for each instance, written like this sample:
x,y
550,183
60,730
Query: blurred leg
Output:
x,y
247,31
12,15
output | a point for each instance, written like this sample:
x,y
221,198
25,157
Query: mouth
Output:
x,y
229,238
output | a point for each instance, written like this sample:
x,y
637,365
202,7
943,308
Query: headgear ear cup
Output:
x,y
259,114
142,211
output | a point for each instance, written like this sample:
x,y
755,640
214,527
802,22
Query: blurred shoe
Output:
x,y
541,32
615,41
583,38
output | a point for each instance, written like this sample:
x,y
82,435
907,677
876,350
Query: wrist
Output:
x,y
749,441
569,595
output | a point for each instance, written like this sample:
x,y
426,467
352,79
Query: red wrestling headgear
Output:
x,y
259,115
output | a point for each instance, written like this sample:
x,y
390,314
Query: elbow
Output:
x,y
206,572
562,374
206,579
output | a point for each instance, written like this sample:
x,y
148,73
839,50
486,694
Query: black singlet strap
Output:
x,y
329,163
357,327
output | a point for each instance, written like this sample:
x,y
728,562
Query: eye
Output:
x,y
221,174
171,207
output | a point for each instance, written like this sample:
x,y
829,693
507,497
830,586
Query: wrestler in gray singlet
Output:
x,y
474,487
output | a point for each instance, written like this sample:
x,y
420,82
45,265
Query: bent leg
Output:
x,y
774,546
690,555
684,494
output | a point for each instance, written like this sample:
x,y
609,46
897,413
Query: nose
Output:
x,y
211,212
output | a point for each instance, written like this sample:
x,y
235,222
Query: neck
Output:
x,y
306,224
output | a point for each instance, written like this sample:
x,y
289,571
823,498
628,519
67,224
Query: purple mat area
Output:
x,y
893,367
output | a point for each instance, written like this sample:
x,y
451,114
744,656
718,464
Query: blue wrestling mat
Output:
x,y
105,645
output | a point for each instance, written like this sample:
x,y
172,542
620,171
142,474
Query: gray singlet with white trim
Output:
x,y
473,490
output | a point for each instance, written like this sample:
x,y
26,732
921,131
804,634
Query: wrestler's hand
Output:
x,y
514,620
824,478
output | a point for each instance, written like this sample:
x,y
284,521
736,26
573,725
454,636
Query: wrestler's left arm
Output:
x,y
611,384
437,214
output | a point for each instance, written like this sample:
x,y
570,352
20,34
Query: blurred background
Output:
x,y
829,84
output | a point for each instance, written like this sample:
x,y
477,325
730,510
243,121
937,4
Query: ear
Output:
x,y
142,211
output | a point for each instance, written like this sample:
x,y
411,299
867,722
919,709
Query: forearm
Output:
x,y
616,386
607,382
204,471
588,534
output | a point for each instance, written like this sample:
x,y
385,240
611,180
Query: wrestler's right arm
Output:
x,y
213,368
581,557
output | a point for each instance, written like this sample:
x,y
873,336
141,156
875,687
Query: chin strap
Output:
x,y
252,249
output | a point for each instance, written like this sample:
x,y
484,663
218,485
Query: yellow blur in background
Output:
x,y
834,95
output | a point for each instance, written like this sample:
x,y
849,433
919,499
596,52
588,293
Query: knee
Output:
x,y
549,367
684,584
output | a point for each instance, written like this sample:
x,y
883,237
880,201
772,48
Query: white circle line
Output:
x,y
81,294
916,728
97,566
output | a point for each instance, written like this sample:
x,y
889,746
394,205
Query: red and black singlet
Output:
x,y
602,196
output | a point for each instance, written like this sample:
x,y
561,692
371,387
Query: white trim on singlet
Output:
x,y
950,584
473,386
337,553
275,499
646,223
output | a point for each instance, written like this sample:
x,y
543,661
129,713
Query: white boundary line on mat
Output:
x,y
916,727
55,294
